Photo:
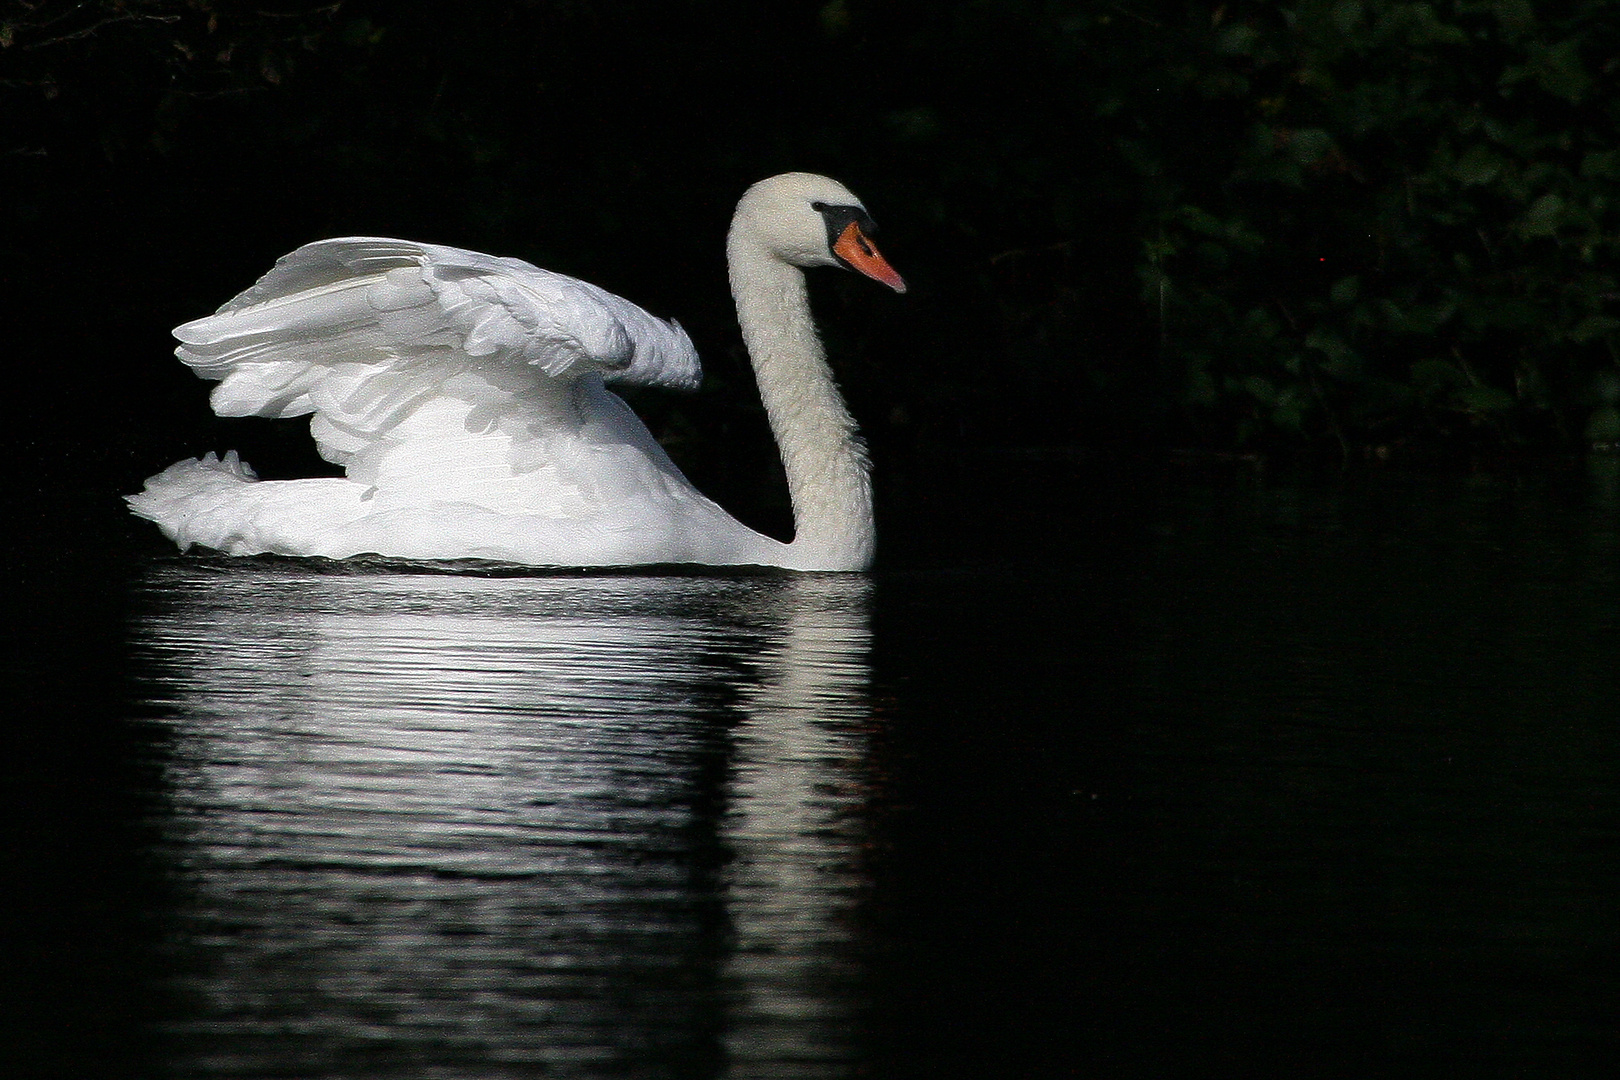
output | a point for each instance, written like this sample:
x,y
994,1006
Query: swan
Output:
x,y
464,396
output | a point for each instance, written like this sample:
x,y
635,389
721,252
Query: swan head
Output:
x,y
809,220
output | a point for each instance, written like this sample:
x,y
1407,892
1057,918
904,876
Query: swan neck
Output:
x,y
828,473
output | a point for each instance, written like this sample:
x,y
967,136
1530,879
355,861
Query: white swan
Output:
x,y
463,394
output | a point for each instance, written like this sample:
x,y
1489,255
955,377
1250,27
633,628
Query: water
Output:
x,y
599,825
1099,775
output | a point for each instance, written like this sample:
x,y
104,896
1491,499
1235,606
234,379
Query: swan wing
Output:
x,y
363,330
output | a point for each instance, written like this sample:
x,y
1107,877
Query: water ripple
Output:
x,y
457,825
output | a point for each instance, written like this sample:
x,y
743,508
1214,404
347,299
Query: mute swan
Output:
x,y
463,394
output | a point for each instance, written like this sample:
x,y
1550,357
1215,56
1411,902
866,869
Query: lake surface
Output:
x,y
1102,773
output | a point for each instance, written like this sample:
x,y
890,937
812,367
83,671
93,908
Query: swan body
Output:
x,y
465,397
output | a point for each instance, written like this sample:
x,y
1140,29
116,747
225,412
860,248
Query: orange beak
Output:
x,y
856,250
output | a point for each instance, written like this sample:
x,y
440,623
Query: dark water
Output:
x,y
1096,776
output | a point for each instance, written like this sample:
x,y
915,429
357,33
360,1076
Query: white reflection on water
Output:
x,y
436,825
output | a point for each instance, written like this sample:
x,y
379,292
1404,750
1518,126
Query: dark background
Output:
x,y
1354,231
161,156
1348,233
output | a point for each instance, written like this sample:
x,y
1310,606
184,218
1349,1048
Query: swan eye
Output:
x,y
818,206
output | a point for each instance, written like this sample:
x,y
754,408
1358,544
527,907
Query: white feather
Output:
x,y
464,396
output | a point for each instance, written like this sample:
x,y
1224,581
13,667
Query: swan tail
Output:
x,y
197,501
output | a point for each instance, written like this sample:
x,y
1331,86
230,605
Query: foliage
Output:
x,y
1357,224
1394,220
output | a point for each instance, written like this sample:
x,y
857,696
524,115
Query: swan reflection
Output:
x,y
476,826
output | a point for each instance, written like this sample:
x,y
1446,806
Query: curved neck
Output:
x,y
826,464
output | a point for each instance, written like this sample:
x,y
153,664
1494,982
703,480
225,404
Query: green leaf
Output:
x,y
1543,217
1416,318
1200,220
1593,327
1603,426
1417,25
1346,289
1432,377
1601,165
1214,256
1485,399
1239,39
1515,17
1234,231
1200,388
1560,72
1260,389
1328,342
1346,16
1290,416
1309,145
1479,165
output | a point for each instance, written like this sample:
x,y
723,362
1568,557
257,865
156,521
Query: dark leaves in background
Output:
x,y
1360,226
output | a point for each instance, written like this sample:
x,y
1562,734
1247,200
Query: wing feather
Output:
x,y
362,330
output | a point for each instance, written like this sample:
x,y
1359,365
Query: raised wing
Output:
x,y
363,330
